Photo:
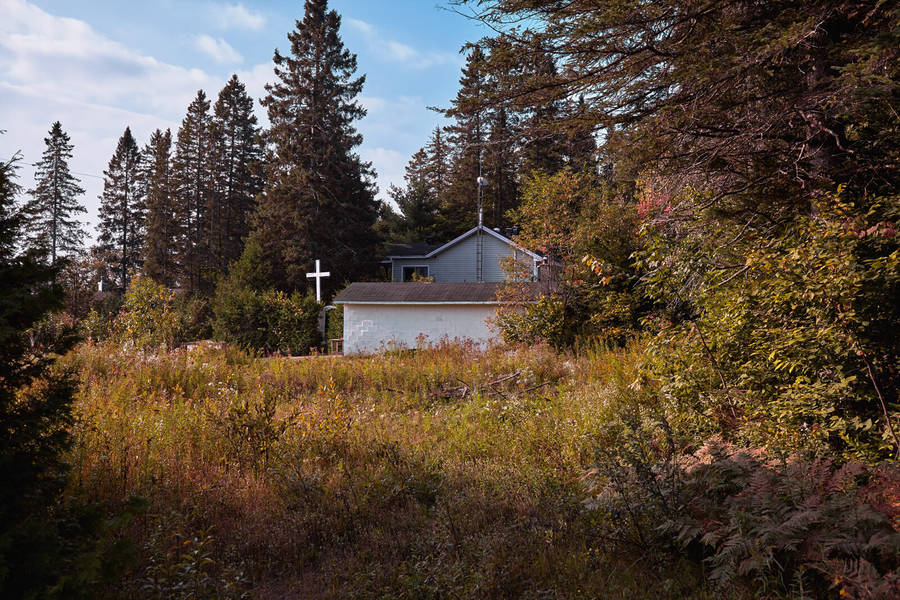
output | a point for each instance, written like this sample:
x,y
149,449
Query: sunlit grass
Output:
x,y
442,473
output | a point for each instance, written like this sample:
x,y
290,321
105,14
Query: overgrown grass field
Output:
x,y
447,473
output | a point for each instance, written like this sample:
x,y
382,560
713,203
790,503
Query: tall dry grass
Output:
x,y
448,473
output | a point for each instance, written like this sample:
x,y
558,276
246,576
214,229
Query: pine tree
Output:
x,y
319,199
237,158
542,139
458,209
765,104
165,219
35,414
417,201
122,209
51,223
437,167
192,173
499,166
581,145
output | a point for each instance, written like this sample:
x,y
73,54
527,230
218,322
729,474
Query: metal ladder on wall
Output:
x,y
479,235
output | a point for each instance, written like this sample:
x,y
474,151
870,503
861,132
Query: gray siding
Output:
x,y
456,264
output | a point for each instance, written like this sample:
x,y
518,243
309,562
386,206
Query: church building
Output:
x,y
437,292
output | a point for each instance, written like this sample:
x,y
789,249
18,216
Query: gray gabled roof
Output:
x,y
424,293
437,250
411,249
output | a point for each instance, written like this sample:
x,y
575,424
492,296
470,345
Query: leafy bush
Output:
x,y
335,326
257,318
806,528
590,230
786,341
543,321
194,316
268,321
148,318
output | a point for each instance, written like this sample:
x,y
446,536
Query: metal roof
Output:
x,y
424,293
421,250
410,249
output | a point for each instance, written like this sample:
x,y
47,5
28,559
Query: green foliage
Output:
x,y
148,318
40,545
531,323
802,528
268,321
334,328
183,567
784,346
591,230
195,316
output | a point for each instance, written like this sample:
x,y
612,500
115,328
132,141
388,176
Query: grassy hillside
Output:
x,y
439,474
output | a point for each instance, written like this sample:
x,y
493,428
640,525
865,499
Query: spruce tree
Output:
x,y
417,201
319,198
165,219
486,141
35,415
192,173
51,223
581,145
458,209
122,209
437,167
236,157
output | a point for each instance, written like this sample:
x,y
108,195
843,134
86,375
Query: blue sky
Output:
x,y
100,65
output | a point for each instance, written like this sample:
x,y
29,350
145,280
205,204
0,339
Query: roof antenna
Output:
x,y
482,182
479,242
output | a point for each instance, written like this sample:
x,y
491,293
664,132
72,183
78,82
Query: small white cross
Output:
x,y
318,275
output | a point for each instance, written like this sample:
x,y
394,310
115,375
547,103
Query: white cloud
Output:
x,y
217,49
54,68
237,16
390,165
394,51
361,26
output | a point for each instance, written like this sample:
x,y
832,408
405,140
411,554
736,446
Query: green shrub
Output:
x,y
268,321
543,321
148,318
194,316
792,344
759,526
335,326
590,230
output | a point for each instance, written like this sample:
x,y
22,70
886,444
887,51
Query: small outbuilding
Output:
x,y
385,316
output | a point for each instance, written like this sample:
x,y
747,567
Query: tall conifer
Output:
x,y
192,172
319,199
458,210
50,213
417,201
165,220
122,209
237,158
437,163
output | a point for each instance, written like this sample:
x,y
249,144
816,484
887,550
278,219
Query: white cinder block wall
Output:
x,y
374,327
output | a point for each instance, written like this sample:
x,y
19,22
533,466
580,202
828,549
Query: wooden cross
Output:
x,y
318,276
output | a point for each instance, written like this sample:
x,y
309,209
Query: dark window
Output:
x,y
408,272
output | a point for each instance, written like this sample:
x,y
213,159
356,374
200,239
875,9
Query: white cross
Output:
x,y
318,275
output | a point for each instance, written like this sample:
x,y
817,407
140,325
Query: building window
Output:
x,y
415,273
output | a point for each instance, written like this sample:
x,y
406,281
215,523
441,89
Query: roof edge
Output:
x,y
497,235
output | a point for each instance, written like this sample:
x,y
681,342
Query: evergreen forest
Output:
x,y
704,403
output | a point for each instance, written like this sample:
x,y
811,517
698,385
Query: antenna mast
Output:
x,y
479,239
